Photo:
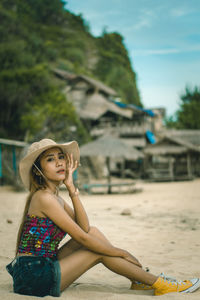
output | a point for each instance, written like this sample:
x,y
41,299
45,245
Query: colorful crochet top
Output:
x,y
40,237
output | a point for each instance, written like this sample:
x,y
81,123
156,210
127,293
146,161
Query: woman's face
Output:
x,y
53,164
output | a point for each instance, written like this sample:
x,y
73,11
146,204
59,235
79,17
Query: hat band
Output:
x,y
39,171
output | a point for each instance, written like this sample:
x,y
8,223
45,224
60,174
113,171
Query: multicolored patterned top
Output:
x,y
40,237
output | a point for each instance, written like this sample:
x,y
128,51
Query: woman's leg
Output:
x,y
75,260
71,246
74,265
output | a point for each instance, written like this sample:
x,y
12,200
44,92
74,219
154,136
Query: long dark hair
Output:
x,y
37,182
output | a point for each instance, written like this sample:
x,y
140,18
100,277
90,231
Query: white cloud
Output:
x,y
165,51
179,12
145,20
146,52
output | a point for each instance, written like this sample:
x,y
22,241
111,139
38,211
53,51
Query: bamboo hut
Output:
x,y
110,148
171,158
92,101
10,151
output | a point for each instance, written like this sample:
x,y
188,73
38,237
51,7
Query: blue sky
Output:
x,y
162,38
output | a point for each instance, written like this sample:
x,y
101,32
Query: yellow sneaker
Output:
x,y
163,286
137,285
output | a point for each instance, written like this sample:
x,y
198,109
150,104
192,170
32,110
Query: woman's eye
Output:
x,y
50,159
62,157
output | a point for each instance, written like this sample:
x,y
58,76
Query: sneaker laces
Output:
x,y
173,281
168,278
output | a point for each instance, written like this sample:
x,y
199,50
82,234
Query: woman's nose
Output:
x,y
58,162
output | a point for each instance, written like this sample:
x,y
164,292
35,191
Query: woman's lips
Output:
x,y
61,171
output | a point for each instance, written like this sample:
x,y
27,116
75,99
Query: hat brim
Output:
x,y
26,163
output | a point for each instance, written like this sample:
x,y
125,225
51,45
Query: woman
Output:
x,y
40,268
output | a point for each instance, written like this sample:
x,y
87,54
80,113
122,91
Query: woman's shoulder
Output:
x,y
40,199
43,196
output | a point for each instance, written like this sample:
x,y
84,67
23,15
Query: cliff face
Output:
x,y
104,58
36,36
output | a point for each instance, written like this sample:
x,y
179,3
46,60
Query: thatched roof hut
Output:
x,y
74,80
183,157
170,145
108,146
91,97
96,84
96,106
187,135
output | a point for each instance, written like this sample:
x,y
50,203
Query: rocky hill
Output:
x,y
36,36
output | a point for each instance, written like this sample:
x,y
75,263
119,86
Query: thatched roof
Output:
x,y
64,74
139,142
108,146
165,150
97,84
188,135
170,145
72,78
96,106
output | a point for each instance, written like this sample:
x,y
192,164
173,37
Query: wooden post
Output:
x,y
145,164
171,168
122,168
189,168
14,160
109,179
1,172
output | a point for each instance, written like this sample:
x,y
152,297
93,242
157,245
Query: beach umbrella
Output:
x,y
110,147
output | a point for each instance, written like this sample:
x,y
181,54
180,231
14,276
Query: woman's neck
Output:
x,y
53,188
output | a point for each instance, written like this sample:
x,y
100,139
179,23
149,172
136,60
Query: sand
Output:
x,y
163,232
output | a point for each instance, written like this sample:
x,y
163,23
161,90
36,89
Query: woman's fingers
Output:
x,y
135,262
132,259
71,163
76,164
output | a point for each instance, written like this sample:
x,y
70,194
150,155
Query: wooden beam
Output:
x,y
13,143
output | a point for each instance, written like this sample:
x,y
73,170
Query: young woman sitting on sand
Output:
x,y
40,268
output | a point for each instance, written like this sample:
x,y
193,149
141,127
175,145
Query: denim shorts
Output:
x,y
36,276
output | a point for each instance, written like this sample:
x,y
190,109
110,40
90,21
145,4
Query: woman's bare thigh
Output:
x,y
71,246
74,265
68,248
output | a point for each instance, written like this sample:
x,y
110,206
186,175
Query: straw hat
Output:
x,y
36,149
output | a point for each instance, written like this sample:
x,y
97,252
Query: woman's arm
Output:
x,y
79,211
81,217
53,210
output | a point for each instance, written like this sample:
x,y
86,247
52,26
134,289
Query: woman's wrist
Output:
x,y
70,187
73,193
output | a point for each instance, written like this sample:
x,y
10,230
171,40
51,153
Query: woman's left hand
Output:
x,y
129,257
71,166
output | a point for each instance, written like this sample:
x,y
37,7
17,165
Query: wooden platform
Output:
x,y
108,187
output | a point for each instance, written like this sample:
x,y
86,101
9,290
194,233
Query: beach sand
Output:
x,y
163,232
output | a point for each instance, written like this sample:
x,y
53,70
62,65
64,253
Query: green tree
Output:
x,y
187,116
36,36
115,69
